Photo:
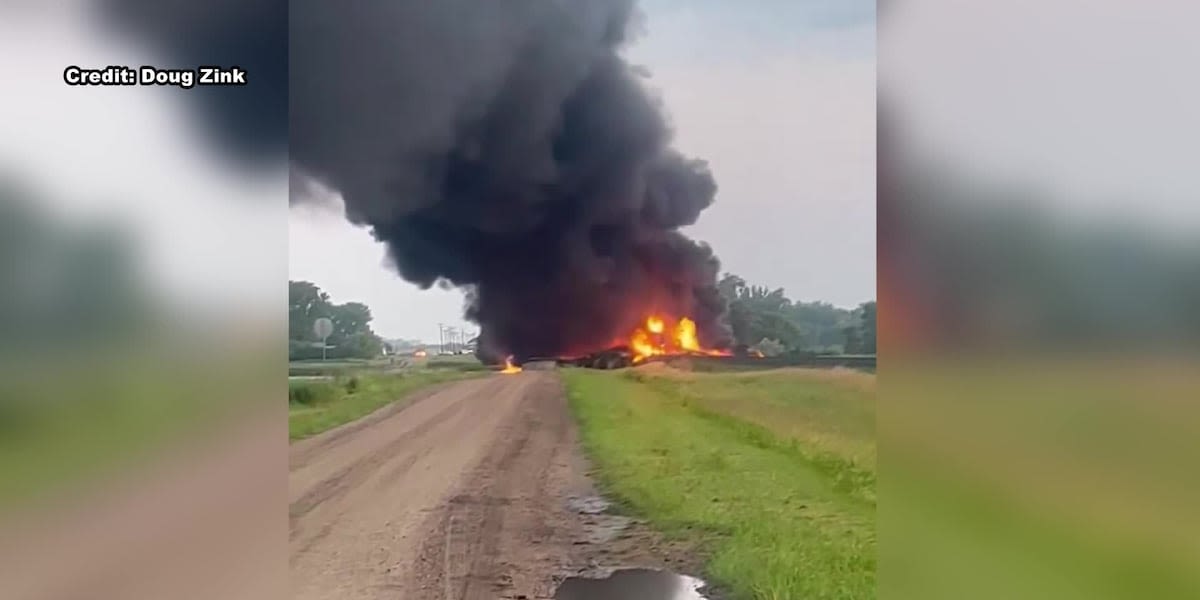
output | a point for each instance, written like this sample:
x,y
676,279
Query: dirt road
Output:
x,y
462,494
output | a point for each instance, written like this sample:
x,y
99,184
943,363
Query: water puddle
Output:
x,y
598,583
632,584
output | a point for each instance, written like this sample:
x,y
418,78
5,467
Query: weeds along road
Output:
x,y
460,494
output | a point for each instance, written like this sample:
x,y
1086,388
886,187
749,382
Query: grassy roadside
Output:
x,y
774,472
315,406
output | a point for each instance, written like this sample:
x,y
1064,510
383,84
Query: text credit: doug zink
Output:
x,y
184,78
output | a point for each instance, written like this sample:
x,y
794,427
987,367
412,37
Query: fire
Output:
x,y
509,367
658,336
655,325
685,334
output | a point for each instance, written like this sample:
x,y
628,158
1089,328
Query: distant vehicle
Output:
x,y
419,354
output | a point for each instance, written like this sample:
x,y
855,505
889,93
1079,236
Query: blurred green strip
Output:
x,y
70,422
1057,479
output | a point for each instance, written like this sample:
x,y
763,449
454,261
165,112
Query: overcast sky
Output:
x,y
778,96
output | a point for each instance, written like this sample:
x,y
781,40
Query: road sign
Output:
x,y
323,327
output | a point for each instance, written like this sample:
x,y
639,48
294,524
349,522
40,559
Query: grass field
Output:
x,y
314,406
773,473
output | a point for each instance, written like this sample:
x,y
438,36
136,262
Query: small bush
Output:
x,y
352,385
310,393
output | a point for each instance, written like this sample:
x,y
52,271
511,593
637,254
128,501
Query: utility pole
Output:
x,y
441,339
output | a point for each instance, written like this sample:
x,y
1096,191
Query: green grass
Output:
x,y
333,367
351,366
457,362
315,406
772,473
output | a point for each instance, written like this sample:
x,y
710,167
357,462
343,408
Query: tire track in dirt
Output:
x,y
461,492
304,451
507,531
356,472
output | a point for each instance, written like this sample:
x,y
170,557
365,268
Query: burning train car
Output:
x,y
658,337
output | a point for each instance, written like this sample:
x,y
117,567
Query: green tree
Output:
x,y
730,286
852,344
306,303
866,327
352,336
757,313
352,332
824,323
350,318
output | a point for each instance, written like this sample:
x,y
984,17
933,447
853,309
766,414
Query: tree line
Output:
x,y
351,338
767,320
761,318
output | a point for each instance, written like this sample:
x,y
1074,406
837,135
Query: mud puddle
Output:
x,y
632,584
600,527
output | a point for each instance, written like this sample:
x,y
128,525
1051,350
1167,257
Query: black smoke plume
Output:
x,y
506,148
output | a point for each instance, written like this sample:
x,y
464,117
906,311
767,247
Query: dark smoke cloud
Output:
x,y
507,148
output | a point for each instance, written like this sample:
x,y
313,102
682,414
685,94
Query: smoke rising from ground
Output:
x,y
507,148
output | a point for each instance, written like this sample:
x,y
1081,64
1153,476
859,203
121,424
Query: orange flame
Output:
x,y
509,367
685,334
656,338
655,324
